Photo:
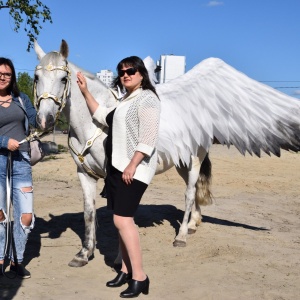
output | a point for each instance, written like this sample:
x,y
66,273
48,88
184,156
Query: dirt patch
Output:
x,y
247,247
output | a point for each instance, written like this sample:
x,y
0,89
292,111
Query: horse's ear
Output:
x,y
38,50
64,49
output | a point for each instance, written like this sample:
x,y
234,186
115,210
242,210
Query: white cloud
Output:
x,y
215,3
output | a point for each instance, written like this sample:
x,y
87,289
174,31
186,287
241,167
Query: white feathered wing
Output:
x,y
151,66
213,100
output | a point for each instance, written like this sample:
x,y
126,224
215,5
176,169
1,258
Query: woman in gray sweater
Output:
x,y
14,127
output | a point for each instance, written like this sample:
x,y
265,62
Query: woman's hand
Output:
x,y
128,173
90,100
81,83
12,145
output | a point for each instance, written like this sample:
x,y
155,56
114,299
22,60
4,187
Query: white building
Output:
x,y
106,76
172,66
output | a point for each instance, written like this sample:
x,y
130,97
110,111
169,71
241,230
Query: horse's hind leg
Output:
x,y
88,185
190,175
203,194
197,179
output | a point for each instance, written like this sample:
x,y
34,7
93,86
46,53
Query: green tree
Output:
x,y
25,84
62,123
30,11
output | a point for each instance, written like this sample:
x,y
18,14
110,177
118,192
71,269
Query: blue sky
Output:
x,y
260,38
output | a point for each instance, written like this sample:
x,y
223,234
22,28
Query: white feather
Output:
x,y
151,66
213,100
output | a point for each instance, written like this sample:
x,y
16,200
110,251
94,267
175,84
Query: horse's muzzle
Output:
x,y
45,123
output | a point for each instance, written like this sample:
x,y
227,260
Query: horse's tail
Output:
x,y
203,194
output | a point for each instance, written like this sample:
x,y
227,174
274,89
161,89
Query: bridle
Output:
x,y
46,95
62,102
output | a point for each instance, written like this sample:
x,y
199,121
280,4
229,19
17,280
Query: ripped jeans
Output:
x,y
22,201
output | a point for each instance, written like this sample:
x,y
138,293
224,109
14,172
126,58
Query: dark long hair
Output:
x,y
13,86
135,62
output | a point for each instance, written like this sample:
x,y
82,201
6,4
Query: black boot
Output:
x,y
21,271
120,279
135,288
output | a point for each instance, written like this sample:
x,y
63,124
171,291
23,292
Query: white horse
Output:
x,y
212,101
56,90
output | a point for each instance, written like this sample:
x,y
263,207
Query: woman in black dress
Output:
x,y
131,161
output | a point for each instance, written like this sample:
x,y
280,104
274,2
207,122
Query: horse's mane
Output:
x,y
87,74
98,85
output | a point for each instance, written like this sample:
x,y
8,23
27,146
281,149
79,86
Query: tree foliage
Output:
x,y
29,11
25,84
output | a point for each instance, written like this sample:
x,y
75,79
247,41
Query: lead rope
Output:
x,y
36,135
9,236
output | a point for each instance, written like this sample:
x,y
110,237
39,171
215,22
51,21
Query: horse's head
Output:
x,y
51,85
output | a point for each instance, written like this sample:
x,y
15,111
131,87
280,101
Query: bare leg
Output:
x,y
126,265
130,247
26,219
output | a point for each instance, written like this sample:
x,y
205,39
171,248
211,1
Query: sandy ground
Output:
x,y
248,246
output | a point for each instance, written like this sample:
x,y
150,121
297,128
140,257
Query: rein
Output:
x,y
35,135
9,240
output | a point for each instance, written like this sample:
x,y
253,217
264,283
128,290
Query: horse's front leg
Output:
x,y
88,185
190,175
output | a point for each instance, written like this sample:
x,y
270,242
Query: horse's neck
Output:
x,y
76,110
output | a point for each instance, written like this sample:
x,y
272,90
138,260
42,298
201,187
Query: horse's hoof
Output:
x,y
75,262
191,231
177,243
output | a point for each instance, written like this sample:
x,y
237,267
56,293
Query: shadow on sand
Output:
x,y
106,234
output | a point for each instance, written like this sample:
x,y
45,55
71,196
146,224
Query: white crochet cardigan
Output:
x,y
135,128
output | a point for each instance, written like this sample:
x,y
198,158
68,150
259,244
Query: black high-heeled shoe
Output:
x,y
120,279
136,287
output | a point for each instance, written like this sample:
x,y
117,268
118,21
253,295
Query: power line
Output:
x,y
286,87
280,81
263,81
24,70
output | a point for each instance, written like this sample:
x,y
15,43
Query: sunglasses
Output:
x,y
130,71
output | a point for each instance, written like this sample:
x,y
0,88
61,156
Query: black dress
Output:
x,y
123,199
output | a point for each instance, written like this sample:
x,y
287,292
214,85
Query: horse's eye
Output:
x,y
64,80
36,77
